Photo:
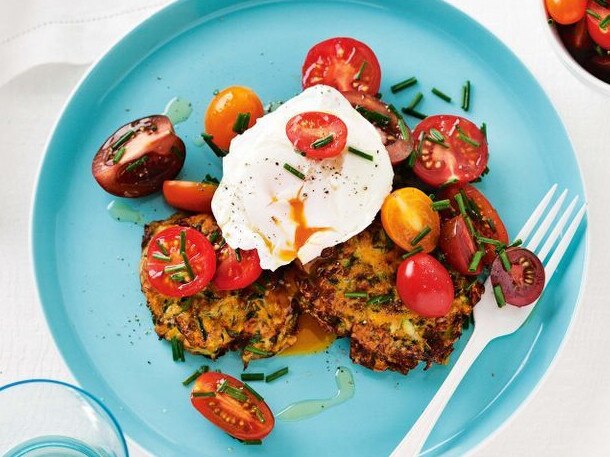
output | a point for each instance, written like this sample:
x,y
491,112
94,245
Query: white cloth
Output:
x,y
35,32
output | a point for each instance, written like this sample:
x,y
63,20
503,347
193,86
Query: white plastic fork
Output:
x,y
491,321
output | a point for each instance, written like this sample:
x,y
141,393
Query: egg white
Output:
x,y
342,195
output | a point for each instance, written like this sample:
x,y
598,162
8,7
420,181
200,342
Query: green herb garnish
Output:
x,y
277,374
214,236
380,299
204,394
241,123
362,67
162,247
174,268
324,141
356,295
459,198
235,393
603,25
414,113
420,236
253,392
500,300
593,14
441,205
257,351
415,101
412,252
136,164
215,149
476,260
373,116
195,375
505,260
187,265
484,129
466,96
359,153
403,84
253,376
465,138
294,171
118,155
177,349
161,257
441,95
516,243
121,141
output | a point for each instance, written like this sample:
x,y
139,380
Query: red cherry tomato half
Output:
x,y
601,35
566,11
189,195
458,246
577,41
319,135
424,286
453,149
232,408
484,216
236,271
343,63
166,267
523,283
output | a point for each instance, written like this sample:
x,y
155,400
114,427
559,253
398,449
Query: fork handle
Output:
x,y
412,443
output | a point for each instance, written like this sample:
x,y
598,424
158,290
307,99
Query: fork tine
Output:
x,y
535,217
562,247
546,223
546,247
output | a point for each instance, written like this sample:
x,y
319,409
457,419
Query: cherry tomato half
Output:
x,y
232,407
395,134
453,149
407,212
484,216
523,283
224,109
236,271
136,159
424,285
166,267
458,246
189,195
343,63
319,135
566,11
601,35
577,40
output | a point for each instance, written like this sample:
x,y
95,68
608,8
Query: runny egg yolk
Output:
x,y
302,233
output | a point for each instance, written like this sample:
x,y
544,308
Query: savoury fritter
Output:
x,y
385,334
212,322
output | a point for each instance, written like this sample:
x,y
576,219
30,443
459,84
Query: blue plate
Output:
x,y
87,263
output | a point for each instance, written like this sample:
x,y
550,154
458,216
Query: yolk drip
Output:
x,y
302,233
311,337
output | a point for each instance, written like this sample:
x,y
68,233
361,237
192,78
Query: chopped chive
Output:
x,y
162,247
437,135
414,113
259,414
121,141
257,351
484,129
253,392
449,182
222,243
550,21
459,198
251,442
515,243
235,393
476,260
404,132
161,257
221,388
418,97
294,171
215,149
491,241
174,268
214,236
403,84
441,205
500,300
465,138
593,14
435,141
241,123
603,3
188,267
204,394
441,94
373,116
420,236
466,96
182,241
321,142
118,155
604,22
599,50
380,299
195,375
412,252
356,295
177,349
259,287
359,153
238,254
277,374
505,261
253,376
362,67
136,164
178,277
470,226
416,152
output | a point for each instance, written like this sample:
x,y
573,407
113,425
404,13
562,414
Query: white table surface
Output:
x,y
568,416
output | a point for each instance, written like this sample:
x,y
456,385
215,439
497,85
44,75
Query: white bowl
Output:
x,y
566,57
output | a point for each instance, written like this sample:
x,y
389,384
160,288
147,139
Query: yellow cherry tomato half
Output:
x,y
224,109
406,215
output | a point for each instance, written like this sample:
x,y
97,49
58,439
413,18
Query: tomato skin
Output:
x,y
424,286
459,161
337,61
199,251
405,213
399,146
223,111
458,246
523,284
496,230
189,195
599,35
304,129
153,154
233,274
566,11
221,406
577,40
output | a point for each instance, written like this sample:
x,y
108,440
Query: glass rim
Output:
x,y
80,390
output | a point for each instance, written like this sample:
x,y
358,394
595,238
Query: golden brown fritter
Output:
x,y
212,322
384,333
